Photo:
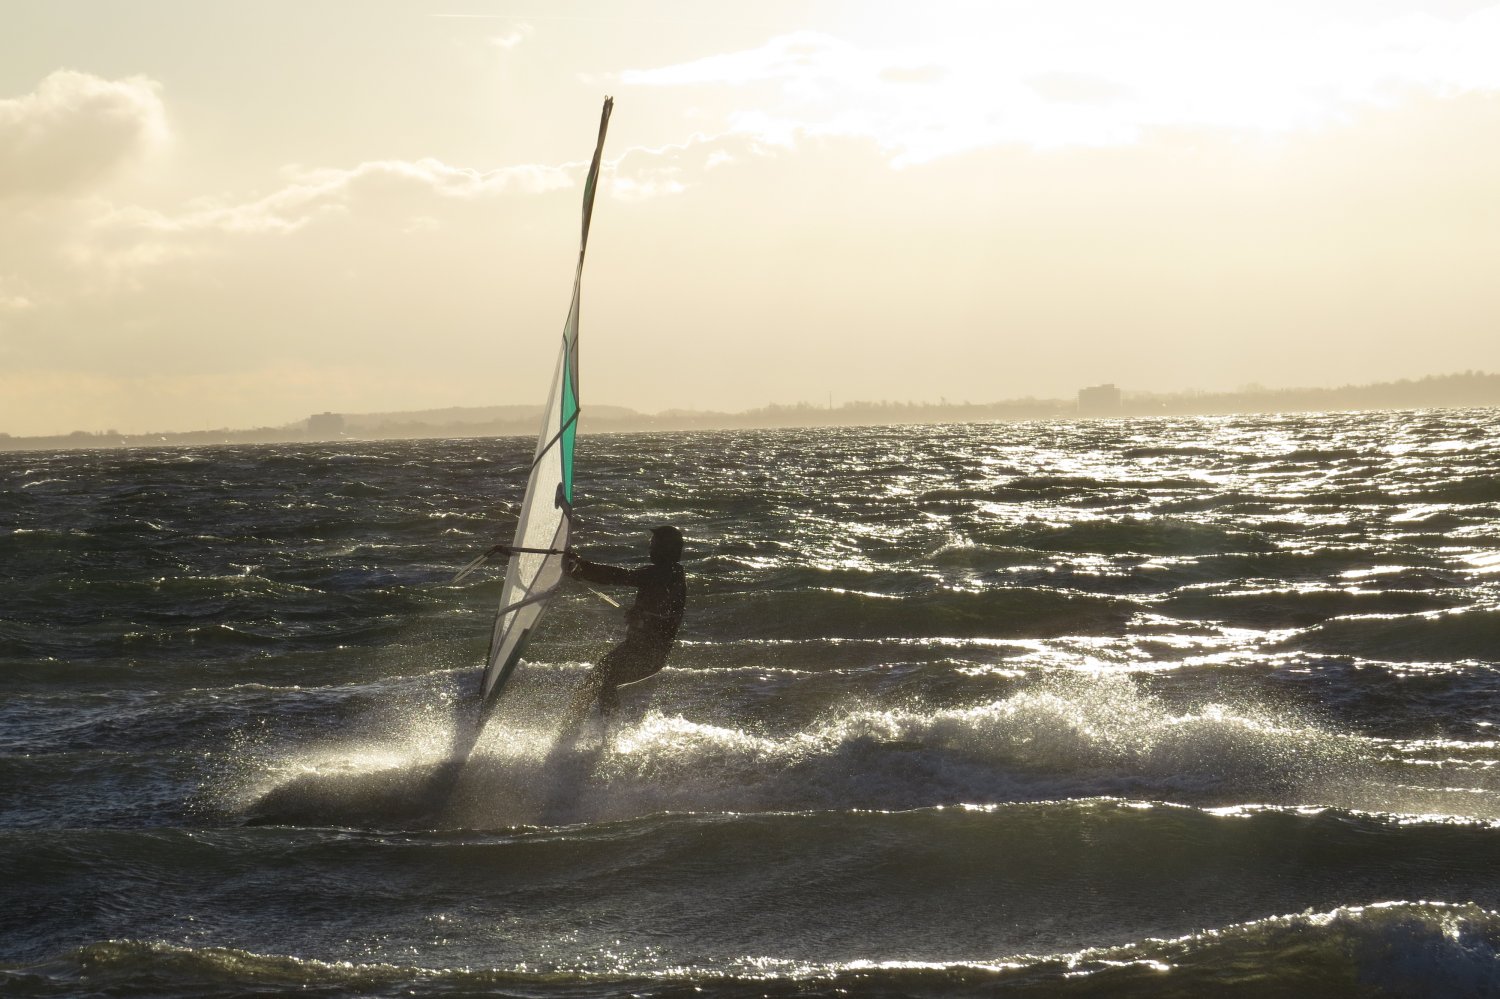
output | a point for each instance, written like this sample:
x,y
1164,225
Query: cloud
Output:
x,y
807,66
512,38
1076,88
411,192
912,74
119,241
1109,81
74,131
642,173
14,302
801,55
380,185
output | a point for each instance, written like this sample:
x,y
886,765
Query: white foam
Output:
x,y
1072,735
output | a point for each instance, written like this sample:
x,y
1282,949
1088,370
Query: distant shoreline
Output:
x,y
1456,391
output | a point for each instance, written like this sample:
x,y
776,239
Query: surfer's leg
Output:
x,y
583,699
609,700
627,664
598,681
637,664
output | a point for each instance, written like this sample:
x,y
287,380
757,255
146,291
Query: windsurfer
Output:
x,y
651,622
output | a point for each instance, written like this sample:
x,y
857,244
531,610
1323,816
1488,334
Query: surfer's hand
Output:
x,y
571,563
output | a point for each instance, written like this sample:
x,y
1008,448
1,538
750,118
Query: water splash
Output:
x,y
1068,735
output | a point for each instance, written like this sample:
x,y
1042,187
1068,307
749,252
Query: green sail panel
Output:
x,y
546,522
569,429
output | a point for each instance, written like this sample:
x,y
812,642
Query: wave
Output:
x,y
1067,736
1440,637
1183,451
1279,566
84,786
1296,608
1414,949
866,769
1470,489
999,613
1155,536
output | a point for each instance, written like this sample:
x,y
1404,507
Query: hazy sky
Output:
x,y
235,214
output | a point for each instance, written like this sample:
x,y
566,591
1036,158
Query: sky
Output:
x,y
236,214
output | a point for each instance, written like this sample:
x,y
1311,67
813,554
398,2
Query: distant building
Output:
x,y
1099,400
325,425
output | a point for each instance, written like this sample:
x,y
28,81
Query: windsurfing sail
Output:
x,y
546,523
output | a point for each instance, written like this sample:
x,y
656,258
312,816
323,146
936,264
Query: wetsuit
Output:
x,y
651,623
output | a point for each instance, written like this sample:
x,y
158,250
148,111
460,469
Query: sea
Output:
x,y
1145,707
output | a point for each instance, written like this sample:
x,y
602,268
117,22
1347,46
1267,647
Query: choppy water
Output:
x,y
1152,707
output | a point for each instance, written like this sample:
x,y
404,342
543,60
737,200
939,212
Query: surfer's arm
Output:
x,y
597,572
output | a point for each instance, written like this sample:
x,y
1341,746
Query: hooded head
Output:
x,y
666,545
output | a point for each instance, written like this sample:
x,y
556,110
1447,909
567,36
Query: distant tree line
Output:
x,y
1465,389
1461,390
